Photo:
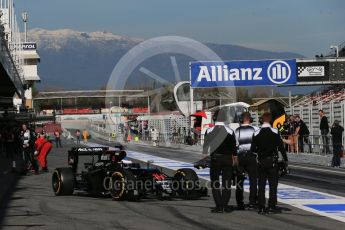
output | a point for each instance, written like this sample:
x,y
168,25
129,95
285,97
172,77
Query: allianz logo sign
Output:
x,y
278,72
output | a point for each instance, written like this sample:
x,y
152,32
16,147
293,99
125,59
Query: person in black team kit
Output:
x,y
246,161
337,137
324,129
266,143
303,134
220,142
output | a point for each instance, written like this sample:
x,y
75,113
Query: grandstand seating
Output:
x,y
334,94
331,100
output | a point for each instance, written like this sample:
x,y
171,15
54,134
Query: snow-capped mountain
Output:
x,y
56,40
79,60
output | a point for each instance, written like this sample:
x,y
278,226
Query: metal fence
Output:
x,y
312,144
309,113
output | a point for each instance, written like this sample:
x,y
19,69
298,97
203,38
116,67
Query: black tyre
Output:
x,y
133,189
63,181
124,186
185,182
118,185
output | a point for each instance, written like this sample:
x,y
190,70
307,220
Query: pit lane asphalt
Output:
x,y
32,205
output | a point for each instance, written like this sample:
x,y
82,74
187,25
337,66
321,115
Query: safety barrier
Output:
x,y
102,133
67,134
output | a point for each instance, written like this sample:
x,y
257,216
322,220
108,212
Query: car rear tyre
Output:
x,y
63,181
118,186
124,186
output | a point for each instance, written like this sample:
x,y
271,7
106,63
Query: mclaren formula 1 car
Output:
x,y
107,173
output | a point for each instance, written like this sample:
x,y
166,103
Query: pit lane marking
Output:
x,y
316,169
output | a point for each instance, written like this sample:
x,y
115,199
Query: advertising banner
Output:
x,y
243,73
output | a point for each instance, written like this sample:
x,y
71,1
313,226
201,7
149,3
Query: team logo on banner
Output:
x,y
311,71
243,73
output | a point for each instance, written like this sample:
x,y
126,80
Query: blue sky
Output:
x,y
307,27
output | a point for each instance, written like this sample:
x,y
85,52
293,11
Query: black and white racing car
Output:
x,y
107,173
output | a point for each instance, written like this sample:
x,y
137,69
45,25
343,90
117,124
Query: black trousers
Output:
x,y
29,157
247,163
221,165
325,141
336,155
267,171
58,142
301,143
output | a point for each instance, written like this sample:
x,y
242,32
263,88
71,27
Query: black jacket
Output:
x,y
324,123
303,129
337,134
220,139
267,142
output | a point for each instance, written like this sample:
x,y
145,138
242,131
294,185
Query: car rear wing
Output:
x,y
103,154
89,151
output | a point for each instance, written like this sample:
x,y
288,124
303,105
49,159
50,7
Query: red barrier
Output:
x,y
140,110
78,111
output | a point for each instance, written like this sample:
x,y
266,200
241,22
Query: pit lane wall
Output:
x,y
73,122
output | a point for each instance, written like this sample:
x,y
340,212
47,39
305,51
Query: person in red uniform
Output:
x,y
42,147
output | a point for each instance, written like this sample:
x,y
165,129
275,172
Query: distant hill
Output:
x,y
73,60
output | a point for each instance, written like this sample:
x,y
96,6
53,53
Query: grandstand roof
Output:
x,y
263,101
90,93
127,93
341,48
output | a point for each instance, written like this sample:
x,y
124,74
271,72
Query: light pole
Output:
x,y
336,50
25,18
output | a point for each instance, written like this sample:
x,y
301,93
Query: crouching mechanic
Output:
x,y
42,147
266,143
220,142
246,161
